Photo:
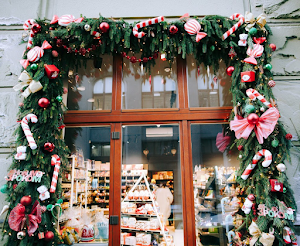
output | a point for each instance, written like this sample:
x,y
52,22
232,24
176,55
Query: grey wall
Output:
x,y
283,17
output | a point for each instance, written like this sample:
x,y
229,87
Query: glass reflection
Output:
x,y
206,88
91,87
141,90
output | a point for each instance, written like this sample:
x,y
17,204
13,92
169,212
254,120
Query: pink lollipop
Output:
x,y
65,20
257,51
35,54
193,27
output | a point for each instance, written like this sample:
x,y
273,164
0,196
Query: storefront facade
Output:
x,y
168,122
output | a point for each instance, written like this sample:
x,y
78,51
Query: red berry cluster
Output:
x,y
133,59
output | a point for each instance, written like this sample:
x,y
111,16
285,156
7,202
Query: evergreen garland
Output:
x,y
77,43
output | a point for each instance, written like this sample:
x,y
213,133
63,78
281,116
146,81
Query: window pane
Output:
x,y
206,88
139,91
86,182
213,179
151,186
91,88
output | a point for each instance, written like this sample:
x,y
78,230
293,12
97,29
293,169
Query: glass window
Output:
x,y
86,182
140,90
206,87
151,186
214,179
91,87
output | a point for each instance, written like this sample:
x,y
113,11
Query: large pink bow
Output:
x,y
65,20
263,128
18,219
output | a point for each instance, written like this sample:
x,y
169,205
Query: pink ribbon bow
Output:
x,y
263,128
65,20
18,218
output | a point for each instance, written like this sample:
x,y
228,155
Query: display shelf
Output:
x,y
139,201
140,215
137,230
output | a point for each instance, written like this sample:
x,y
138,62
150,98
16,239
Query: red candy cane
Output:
x,y
26,129
26,26
55,161
235,26
268,160
138,34
253,94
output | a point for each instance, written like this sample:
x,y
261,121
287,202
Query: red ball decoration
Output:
x,y
273,47
155,55
49,235
44,102
49,147
104,27
230,70
145,59
251,197
288,136
123,54
54,53
252,118
36,28
15,186
133,59
26,200
173,29
240,147
59,42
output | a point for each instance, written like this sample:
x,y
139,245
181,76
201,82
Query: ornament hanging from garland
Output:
x,y
243,39
136,28
173,29
193,27
49,147
104,27
230,70
44,102
236,26
21,153
65,20
26,129
52,71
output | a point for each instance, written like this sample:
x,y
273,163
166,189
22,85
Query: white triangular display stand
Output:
x,y
162,231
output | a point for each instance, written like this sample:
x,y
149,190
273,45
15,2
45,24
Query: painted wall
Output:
x,y
283,17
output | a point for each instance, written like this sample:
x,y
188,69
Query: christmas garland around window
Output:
x,y
66,43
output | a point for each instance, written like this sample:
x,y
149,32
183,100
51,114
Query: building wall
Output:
x,y
283,17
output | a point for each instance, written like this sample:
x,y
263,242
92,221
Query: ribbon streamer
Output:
x,y
265,239
263,128
26,80
261,21
18,218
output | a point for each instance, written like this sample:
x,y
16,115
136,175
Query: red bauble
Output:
x,y
49,235
173,29
155,55
59,42
104,27
273,47
288,136
251,197
26,200
36,28
145,59
43,102
252,118
230,70
240,147
49,147
54,53
133,59
15,186
123,54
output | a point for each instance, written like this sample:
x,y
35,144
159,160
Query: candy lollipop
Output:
x,y
65,20
35,54
193,27
257,51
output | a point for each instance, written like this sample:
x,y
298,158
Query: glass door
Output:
x,y
151,205
86,186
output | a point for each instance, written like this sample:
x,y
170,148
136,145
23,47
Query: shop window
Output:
x,y
215,187
142,91
151,208
207,88
86,183
90,88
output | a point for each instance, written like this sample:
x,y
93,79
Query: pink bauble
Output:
x,y
251,197
271,83
273,47
104,27
54,53
44,102
252,118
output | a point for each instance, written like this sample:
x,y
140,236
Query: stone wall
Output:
x,y
283,17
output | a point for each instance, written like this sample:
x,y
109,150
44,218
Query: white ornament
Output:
x,y
262,109
44,193
247,206
87,27
243,39
4,209
21,235
281,167
240,156
21,153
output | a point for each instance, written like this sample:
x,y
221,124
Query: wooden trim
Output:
x,y
182,83
210,108
117,84
187,184
115,186
150,110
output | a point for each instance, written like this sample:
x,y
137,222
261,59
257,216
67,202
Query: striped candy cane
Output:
x,y
235,26
253,94
26,26
55,161
268,160
138,34
26,129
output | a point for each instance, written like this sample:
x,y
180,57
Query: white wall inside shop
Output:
x,y
283,17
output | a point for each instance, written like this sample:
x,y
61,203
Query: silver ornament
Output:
x,y
262,109
87,27
281,167
21,235
240,156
